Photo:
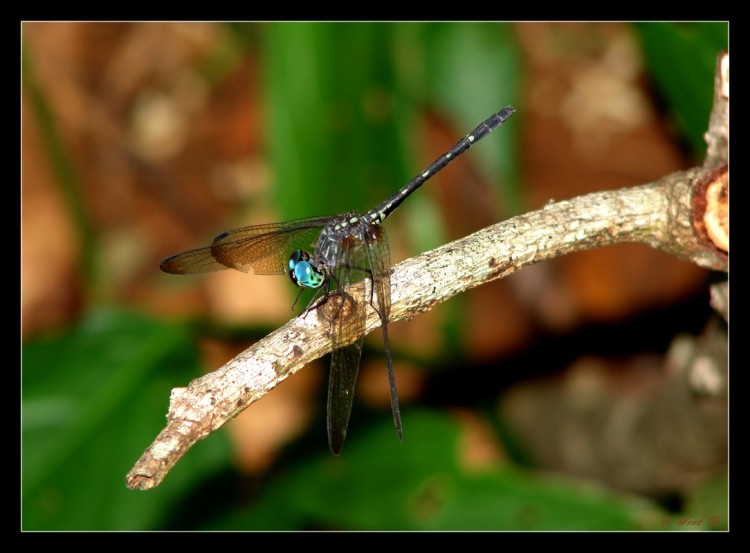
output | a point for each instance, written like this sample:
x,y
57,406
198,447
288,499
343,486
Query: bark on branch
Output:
x,y
683,214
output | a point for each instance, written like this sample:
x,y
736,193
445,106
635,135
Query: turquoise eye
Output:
x,y
302,272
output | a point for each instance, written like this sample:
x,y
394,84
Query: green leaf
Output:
x,y
93,399
379,484
682,60
332,102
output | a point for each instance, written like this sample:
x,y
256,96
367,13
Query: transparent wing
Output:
x,y
347,318
263,248
190,262
379,260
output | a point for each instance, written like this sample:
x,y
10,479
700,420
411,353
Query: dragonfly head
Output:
x,y
303,273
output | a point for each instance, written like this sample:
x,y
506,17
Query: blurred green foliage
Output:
x,y
94,398
64,169
342,100
681,59
379,484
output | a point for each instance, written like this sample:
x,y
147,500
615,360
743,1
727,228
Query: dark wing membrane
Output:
x,y
266,248
341,383
194,261
379,260
347,318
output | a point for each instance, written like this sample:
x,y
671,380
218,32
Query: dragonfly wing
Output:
x,y
378,259
200,260
342,380
347,319
266,248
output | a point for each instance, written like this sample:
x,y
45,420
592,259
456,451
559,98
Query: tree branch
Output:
x,y
667,215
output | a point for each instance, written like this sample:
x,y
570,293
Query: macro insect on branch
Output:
x,y
684,214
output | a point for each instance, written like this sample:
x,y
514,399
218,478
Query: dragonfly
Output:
x,y
328,254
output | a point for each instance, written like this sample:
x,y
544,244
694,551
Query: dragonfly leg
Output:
x,y
370,276
297,299
317,300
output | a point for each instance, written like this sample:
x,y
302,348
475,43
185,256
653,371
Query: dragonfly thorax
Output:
x,y
344,231
304,273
